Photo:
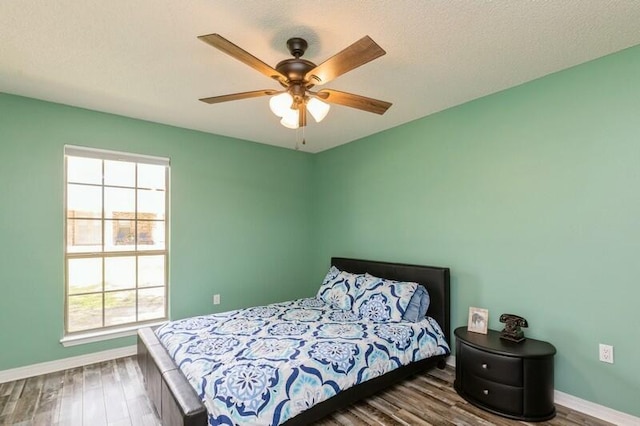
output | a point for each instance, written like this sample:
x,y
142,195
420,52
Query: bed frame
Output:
x,y
178,404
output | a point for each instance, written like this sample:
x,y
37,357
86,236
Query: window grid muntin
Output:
x,y
103,254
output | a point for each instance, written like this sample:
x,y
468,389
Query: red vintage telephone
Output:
x,y
512,331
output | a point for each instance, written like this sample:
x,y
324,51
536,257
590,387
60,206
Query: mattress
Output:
x,y
266,364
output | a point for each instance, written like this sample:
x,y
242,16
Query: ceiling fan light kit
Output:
x,y
318,109
290,119
279,104
298,76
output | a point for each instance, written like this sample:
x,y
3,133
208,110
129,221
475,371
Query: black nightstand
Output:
x,y
513,380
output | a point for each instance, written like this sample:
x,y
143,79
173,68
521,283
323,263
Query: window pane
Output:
x,y
85,275
151,304
84,235
84,170
151,176
119,173
151,204
84,201
119,203
150,271
119,307
115,249
119,235
150,235
119,273
85,312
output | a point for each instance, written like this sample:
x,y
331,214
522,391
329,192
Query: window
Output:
x,y
116,224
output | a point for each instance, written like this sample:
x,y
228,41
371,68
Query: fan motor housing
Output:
x,y
295,69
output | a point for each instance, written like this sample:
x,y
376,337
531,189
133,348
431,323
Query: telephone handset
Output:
x,y
512,326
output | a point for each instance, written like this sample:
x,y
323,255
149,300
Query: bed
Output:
x,y
178,403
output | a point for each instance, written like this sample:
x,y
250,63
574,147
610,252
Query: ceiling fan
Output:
x,y
298,76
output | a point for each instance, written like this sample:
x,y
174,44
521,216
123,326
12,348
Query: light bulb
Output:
x,y
290,119
280,104
318,109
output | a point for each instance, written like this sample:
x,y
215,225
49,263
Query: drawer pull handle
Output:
x,y
486,391
484,366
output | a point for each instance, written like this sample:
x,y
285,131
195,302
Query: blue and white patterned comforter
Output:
x,y
264,365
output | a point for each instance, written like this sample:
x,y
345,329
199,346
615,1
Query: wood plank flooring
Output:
x,y
112,394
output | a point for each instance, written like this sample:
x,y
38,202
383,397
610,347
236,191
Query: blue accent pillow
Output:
x,y
382,300
418,305
340,288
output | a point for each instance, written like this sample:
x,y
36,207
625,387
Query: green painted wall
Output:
x,y
240,220
531,196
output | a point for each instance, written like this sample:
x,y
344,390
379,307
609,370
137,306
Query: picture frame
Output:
x,y
478,320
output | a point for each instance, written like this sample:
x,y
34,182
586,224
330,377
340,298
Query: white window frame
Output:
x,y
130,328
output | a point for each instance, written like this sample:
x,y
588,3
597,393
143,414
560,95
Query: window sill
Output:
x,y
99,336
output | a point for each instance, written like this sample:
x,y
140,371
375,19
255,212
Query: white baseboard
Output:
x,y
451,361
65,364
587,407
595,410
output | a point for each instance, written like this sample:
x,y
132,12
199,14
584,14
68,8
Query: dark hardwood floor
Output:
x,y
111,393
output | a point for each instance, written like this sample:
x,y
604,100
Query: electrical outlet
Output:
x,y
216,299
606,353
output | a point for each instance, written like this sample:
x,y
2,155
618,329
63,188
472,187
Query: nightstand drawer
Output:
x,y
497,368
507,399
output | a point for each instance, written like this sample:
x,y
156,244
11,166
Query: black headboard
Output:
x,y
434,279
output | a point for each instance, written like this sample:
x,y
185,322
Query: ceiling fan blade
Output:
x,y
354,101
238,96
359,53
221,43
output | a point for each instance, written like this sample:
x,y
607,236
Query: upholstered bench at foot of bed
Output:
x,y
171,394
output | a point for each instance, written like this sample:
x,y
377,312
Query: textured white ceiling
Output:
x,y
142,59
